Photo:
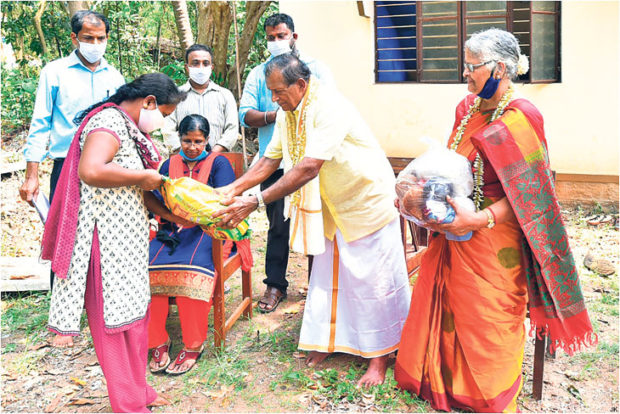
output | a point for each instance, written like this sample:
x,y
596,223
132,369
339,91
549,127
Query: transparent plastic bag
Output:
x,y
422,186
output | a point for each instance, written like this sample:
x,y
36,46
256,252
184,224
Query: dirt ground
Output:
x,y
260,370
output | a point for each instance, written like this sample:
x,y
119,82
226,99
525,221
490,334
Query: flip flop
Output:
x,y
607,219
272,297
183,356
594,220
156,355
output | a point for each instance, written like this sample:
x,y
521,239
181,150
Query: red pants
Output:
x,y
194,316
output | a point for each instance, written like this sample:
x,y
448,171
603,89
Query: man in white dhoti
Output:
x,y
340,190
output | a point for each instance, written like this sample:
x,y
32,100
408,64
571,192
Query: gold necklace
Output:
x,y
478,166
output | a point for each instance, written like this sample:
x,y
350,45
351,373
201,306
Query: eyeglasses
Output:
x,y
193,144
471,67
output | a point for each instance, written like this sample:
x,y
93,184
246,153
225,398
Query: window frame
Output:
x,y
461,24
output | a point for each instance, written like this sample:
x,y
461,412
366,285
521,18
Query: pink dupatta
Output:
x,y
61,225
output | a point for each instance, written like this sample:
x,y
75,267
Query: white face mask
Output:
x,y
200,75
279,47
150,120
92,52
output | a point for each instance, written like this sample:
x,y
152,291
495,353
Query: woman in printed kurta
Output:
x,y
97,233
180,263
462,344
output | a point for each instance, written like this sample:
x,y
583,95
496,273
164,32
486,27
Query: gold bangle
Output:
x,y
490,217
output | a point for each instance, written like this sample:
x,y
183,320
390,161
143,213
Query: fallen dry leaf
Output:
x,y
70,389
82,401
51,407
38,346
78,381
7,305
20,277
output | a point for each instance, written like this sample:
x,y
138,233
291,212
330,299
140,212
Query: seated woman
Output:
x,y
180,263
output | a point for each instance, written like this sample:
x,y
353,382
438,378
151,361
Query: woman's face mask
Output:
x,y
92,52
490,87
150,120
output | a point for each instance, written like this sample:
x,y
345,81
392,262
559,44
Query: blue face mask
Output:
x,y
201,157
490,87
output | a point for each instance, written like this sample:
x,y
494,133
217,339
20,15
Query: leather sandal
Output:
x,y
183,356
157,356
272,297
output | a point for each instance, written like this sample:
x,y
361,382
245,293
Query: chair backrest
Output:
x,y
236,160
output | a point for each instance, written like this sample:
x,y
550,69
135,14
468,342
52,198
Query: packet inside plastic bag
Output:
x,y
196,202
422,187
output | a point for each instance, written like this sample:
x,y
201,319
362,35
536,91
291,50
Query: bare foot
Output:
x,y
315,357
159,401
62,341
375,374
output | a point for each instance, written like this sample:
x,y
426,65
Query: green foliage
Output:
x,y
18,92
143,39
27,314
176,71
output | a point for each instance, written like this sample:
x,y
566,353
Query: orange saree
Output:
x,y
462,344
468,303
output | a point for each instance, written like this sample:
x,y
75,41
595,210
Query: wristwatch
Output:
x,y
261,202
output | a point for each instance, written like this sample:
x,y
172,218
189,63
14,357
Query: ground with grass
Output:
x,y
261,370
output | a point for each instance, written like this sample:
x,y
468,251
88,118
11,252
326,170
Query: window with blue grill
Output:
x,y
396,41
422,41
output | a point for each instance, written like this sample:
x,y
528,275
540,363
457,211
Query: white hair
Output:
x,y
499,46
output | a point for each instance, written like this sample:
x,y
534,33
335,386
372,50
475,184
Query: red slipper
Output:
x,y
157,356
183,356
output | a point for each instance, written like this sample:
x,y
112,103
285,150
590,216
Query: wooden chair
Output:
x,y
224,268
414,251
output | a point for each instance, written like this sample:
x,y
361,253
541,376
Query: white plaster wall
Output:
x,y
581,113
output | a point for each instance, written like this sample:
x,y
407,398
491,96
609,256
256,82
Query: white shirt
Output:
x,y
217,104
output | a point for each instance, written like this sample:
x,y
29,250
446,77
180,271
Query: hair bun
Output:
x,y
523,65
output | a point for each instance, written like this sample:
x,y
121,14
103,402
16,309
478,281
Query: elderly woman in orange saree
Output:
x,y
462,344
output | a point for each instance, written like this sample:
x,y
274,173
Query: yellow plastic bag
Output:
x,y
196,202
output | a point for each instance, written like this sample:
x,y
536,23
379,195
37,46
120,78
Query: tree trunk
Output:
x,y
37,25
214,20
254,11
184,28
75,5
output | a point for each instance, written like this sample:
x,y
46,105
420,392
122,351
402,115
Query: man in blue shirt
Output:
x,y
67,86
257,110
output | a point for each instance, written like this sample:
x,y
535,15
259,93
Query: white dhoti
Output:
x,y
359,295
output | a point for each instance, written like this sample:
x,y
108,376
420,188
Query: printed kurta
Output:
x,y
122,222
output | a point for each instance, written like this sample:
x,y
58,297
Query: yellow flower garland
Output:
x,y
296,137
478,195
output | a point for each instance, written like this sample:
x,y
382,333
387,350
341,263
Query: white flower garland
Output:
x,y
478,195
